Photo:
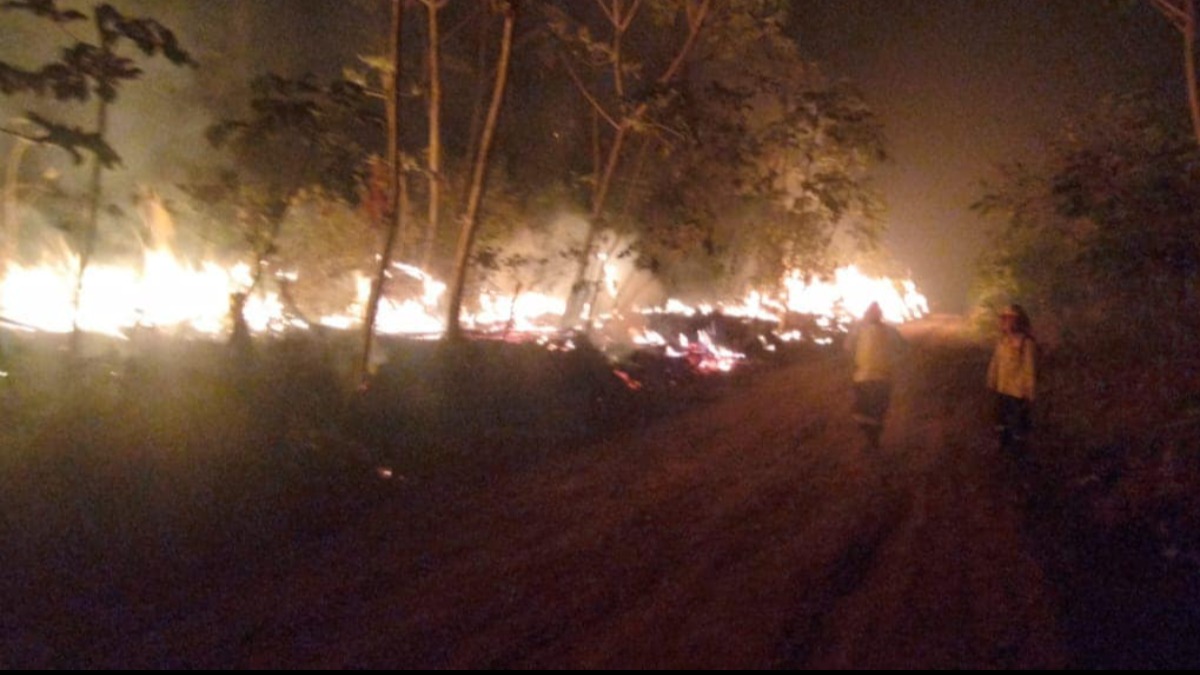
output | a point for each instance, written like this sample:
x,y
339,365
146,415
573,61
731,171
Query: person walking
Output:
x,y
874,346
1012,376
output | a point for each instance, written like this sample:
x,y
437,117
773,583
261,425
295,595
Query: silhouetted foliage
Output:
x,y
301,133
1108,225
84,70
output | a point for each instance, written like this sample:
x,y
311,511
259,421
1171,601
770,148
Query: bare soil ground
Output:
x,y
752,530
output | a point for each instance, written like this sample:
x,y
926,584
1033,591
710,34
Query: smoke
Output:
x,y
157,122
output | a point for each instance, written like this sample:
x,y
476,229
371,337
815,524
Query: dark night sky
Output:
x,y
964,84
960,85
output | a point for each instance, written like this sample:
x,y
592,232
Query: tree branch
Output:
x,y
618,32
633,10
20,134
1175,12
608,12
696,16
588,95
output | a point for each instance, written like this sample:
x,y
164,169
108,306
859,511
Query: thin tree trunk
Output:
x,y
1189,65
581,288
1182,15
479,107
580,285
397,194
470,223
10,227
639,165
91,228
435,133
596,151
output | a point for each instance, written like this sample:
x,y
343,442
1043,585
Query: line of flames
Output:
x,y
168,294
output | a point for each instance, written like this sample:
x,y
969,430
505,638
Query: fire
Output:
x,y
113,299
167,293
831,305
39,297
525,313
412,316
164,291
850,293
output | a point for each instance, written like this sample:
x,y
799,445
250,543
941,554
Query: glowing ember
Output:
x,y
649,338
716,357
628,379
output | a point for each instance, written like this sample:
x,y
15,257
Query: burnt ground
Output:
x,y
747,529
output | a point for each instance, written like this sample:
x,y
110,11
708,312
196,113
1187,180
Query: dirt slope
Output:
x,y
750,532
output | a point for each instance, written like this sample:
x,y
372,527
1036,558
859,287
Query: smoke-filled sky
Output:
x,y
960,86
232,40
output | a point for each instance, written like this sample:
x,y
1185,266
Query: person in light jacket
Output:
x,y
874,346
1012,375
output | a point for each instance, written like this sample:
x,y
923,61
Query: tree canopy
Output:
x,y
691,137
85,70
1108,225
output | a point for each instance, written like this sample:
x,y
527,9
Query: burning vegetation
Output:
x,y
168,293
440,266
593,216
322,204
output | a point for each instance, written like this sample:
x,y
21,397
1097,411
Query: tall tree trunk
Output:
x,y
397,195
634,177
91,227
435,132
479,105
470,223
10,227
581,286
1182,15
1189,66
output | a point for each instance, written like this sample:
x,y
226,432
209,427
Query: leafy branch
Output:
x,y
69,138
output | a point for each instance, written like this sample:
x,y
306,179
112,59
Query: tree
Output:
x,y
772,163
1115,207
433,56
624,112
739,148
65,80
470,218
301,136
85,71
397,188
8,211
1182,15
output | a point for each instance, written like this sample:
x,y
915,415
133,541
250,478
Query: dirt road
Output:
x,y
750,532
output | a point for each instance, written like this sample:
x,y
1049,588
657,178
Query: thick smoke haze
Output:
x,y
960,85
157,122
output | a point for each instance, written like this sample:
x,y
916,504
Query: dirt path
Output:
x,y
750,532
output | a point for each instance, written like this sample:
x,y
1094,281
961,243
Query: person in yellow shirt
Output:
x,y
874,346
1012,375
